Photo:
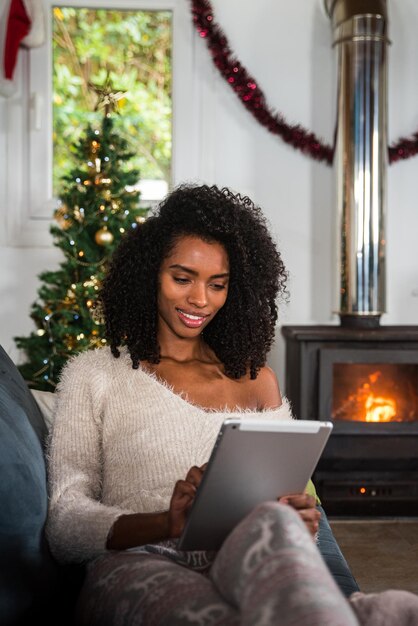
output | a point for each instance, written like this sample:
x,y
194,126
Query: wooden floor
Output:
x,y
382,554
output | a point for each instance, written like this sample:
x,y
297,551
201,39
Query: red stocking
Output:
x,y
18,26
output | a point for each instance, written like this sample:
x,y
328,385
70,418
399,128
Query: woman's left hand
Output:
x,y
305,505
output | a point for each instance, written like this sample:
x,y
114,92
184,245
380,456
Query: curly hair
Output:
x,y
242,332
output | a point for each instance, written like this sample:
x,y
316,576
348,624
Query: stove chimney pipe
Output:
x,y
360,36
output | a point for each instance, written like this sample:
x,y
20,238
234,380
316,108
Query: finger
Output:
x,y
309,515
312,529
310,519
184,488
194,475
300,501
312,524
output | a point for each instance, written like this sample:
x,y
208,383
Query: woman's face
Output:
x,y
193,286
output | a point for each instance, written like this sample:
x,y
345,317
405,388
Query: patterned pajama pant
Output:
x,y
268,572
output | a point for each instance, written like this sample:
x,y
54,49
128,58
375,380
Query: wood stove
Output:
x,y
360,375
366,382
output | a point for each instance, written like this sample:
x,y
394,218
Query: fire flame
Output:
x,y
369,403
379,409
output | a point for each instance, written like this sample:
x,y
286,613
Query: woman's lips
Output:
x,y
190,319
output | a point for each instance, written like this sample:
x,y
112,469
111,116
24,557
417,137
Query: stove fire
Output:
x,y
380,409
363,393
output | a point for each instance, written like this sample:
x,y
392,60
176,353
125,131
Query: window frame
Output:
x,y
28,205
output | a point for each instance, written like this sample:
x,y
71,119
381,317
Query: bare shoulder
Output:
x,y
267,388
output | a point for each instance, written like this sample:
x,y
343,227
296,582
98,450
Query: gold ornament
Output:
x,y
103,237
61,216
70,297
96,312
78,215
140,219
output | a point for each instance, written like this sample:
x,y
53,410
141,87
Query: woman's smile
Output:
x,y
192,320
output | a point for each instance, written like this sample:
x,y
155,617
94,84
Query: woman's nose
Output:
x,y
198,296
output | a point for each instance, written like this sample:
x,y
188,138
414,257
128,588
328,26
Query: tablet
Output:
x,y
253,460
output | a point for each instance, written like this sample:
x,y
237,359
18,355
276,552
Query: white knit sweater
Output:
x,y
119,442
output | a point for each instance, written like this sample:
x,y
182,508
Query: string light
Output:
x,y
72,321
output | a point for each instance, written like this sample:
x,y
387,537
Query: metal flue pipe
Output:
x,y
360,37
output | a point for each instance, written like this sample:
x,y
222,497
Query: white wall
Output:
x,y
287,47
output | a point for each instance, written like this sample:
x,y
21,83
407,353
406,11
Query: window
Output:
x,y
129,53
35,157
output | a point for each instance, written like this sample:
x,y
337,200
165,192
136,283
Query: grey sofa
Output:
x,y
33,587
32,584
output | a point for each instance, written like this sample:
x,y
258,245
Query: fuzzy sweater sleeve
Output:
x,y
78,523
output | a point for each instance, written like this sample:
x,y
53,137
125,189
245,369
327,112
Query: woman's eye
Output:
x,y
180,280
218,286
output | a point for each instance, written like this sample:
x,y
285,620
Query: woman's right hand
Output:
x,y
305,505
182,499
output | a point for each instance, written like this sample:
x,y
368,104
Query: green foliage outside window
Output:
x,y
133,48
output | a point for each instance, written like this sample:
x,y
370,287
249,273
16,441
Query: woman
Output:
x,y
190,308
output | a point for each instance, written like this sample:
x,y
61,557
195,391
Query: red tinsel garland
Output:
x,y
252,97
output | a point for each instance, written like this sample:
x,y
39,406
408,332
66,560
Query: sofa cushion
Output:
x,y
17,389
27,571
46,403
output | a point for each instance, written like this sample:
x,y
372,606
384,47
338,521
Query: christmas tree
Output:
x,y
98,204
